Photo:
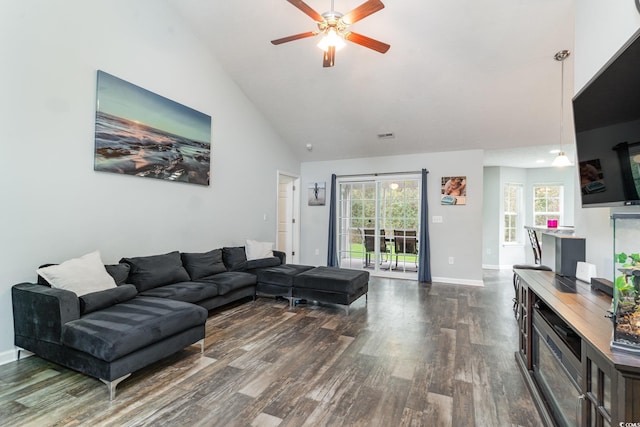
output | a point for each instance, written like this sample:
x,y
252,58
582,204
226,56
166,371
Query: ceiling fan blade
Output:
x,y
362,11
329,57
294,37
307,10
367,42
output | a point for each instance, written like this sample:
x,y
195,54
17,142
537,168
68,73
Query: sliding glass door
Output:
x,y
378,223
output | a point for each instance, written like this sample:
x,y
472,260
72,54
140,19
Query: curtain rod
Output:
x,y
380,174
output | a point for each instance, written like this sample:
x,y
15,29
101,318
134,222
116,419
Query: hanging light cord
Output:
x,y
561,102
561,56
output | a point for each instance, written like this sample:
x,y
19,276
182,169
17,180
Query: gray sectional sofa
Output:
x,y
158,306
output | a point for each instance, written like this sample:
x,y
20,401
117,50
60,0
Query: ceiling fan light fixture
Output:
x,y
331,38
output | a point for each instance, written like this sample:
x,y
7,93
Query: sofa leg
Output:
x,y
113,384
201,342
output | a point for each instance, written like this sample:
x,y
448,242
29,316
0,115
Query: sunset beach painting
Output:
x,y
141,133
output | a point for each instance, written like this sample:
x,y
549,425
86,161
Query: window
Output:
x,y
512,206
547,204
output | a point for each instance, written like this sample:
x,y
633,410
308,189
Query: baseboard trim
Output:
x,y
454,281
12,355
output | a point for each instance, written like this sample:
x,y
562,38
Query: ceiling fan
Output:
x,y
334,26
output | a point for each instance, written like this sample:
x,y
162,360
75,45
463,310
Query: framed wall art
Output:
x,y
317,193
144,134
454,190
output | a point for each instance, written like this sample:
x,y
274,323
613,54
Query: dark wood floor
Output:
x,y
432,355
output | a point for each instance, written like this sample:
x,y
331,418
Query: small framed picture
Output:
x,y
317,193
454,190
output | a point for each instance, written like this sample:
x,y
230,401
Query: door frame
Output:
x,y
293,203
377,179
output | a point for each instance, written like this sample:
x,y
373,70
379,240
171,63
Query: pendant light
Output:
x,y
561,160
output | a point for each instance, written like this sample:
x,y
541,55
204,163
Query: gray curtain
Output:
x,y
332,253
424,252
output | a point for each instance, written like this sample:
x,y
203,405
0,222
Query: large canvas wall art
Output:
x,y
141,133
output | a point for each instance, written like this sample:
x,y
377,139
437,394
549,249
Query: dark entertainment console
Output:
x,y
564,355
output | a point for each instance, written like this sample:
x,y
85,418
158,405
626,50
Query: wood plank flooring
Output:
x,y
415,355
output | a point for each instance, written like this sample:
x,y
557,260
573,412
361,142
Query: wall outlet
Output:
x,y
450,260
317,251
436,219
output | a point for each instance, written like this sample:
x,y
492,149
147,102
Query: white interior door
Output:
x,y
288,212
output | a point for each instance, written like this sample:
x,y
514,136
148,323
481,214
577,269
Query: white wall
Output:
x,y
492,218
460,233
602,28
54,206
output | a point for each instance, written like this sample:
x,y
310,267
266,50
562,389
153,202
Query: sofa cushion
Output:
x,y
231,280
149,272
102,299
234,258
116,331
257,250
203,264
262,263
119,272
184,291
81,275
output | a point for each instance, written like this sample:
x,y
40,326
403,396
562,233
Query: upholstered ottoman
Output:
x,y
278,280
331,285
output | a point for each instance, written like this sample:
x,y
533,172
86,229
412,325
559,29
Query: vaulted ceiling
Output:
x,y
460,74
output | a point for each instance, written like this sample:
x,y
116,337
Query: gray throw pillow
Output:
x,y
149,272
102,299
235,258
200,265
119,272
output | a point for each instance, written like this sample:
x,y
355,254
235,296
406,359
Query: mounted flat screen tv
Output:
x,y
607,123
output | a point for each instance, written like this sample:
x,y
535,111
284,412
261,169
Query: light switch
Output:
x,y
436,218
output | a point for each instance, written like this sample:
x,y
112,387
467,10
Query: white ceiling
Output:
x,y
460,75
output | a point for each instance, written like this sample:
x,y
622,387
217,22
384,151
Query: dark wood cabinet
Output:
x,y
565,357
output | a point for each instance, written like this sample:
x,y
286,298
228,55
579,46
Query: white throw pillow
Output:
x,y
79,275
258,250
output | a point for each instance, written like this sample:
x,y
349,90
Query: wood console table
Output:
x,y
564,354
